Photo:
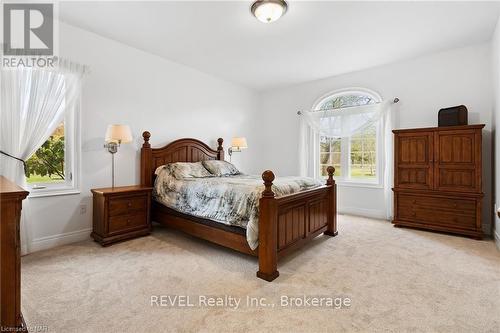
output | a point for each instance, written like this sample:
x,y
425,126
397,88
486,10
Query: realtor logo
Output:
x,y
28,29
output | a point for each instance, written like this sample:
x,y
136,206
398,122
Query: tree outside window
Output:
x,y
47,164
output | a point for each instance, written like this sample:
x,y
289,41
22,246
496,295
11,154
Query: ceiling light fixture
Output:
x,y
268,11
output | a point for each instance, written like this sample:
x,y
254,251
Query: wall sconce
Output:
x,y
115,136
237,145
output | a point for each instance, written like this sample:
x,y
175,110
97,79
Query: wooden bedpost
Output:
x,y
220,149
268,231
332,204
146,161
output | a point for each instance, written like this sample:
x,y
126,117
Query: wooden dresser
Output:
x,y
11,197
121,213
438,179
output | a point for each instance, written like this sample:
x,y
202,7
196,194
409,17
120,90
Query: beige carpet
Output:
x,y
398,280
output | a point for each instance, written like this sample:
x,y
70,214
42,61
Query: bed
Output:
x,y
285,222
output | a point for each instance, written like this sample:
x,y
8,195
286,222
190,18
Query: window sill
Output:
x,y
41,193
345,183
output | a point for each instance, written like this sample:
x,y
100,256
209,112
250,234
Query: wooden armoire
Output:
x,y
438,179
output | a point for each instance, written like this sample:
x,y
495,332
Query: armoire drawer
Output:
x,y
460,206
442,218
459,213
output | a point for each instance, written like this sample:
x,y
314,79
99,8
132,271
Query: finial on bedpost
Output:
x,y
331,171
220,149
268,177
146,135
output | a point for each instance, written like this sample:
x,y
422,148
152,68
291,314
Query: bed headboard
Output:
x,y
182,150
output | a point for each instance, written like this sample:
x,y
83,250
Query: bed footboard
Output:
x,y
288,222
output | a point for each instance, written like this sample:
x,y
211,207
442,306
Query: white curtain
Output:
x,y
32,105
346,122
337,123
308,153
388,125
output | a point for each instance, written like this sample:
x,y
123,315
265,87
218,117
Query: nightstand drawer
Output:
x,y
127,205
122,223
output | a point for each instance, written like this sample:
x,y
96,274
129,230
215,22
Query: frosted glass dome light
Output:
x,y
268,11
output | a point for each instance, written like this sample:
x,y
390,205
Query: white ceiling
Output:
x,y
312,41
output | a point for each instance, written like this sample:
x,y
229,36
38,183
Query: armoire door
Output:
x,y
414,160
458,160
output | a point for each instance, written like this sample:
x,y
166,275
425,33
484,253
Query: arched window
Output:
x,y
347,98
355,156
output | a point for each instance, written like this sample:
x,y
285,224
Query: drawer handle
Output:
x,y
414,201
455,205
128,221
413,214
129,204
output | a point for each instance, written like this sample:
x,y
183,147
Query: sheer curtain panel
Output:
x,y
336,123
33,103
342,123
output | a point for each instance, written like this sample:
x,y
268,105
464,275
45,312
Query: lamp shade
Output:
x,y
119,134
240,143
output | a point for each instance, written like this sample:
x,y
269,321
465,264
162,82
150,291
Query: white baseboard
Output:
x,y
48,242
373,213
497,239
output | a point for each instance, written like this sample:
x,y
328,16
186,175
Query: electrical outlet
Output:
x,y
83,209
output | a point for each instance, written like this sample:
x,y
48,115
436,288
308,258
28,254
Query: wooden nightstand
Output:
x,y
121,213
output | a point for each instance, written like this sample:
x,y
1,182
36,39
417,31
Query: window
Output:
x,y
330,154
53,168
47,165
355,157
363,154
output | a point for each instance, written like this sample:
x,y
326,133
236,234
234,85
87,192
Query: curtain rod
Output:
x,y
395,100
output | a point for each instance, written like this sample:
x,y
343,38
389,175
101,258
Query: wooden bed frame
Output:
x,y
285,223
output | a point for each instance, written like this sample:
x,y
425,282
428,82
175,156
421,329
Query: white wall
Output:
x,y
149,93
424,85
496,125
